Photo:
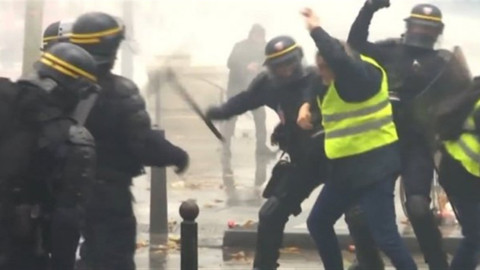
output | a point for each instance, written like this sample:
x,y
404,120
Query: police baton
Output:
x,y
173,80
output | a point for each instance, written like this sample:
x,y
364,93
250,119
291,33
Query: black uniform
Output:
x,y
125,143
48,158
67,185
17,146
410,69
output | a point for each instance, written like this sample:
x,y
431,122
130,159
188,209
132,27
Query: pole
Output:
x,y
32,34
158,190
189,236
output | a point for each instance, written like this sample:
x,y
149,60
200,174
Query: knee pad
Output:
x,y
418,207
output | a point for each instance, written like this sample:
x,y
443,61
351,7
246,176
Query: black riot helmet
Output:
x,y
56,32
423,26
66,71
100,34
283,59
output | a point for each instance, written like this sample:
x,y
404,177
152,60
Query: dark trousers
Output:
x,y
417,177
468,214
463,191
20,248
310,171
65,236
377,203
110,234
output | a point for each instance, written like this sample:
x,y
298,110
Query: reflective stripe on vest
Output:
x,y
358,127
466,149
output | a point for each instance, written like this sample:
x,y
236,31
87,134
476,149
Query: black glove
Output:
x,y
280,137
378,4
278,134
216,113
182,163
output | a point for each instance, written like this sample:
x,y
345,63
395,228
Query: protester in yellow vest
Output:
x,y
361,142
459,175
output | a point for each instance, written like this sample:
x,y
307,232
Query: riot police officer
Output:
x,y
48,157
280,88
56,32
125,143
65,221
411,63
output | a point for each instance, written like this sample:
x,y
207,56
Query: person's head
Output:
x,y
283,59
324,69
423,26
66,72
56,32
100,34
257,33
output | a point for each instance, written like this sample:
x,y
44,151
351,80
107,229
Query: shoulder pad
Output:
x,y
389,42
124,86
79,135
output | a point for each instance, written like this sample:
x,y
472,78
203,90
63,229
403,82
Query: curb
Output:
x,y
301,239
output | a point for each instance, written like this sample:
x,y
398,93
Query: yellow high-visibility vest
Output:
x,y
466,149
357,127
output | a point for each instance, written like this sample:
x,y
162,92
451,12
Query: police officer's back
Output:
x,y
45,152
125,143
